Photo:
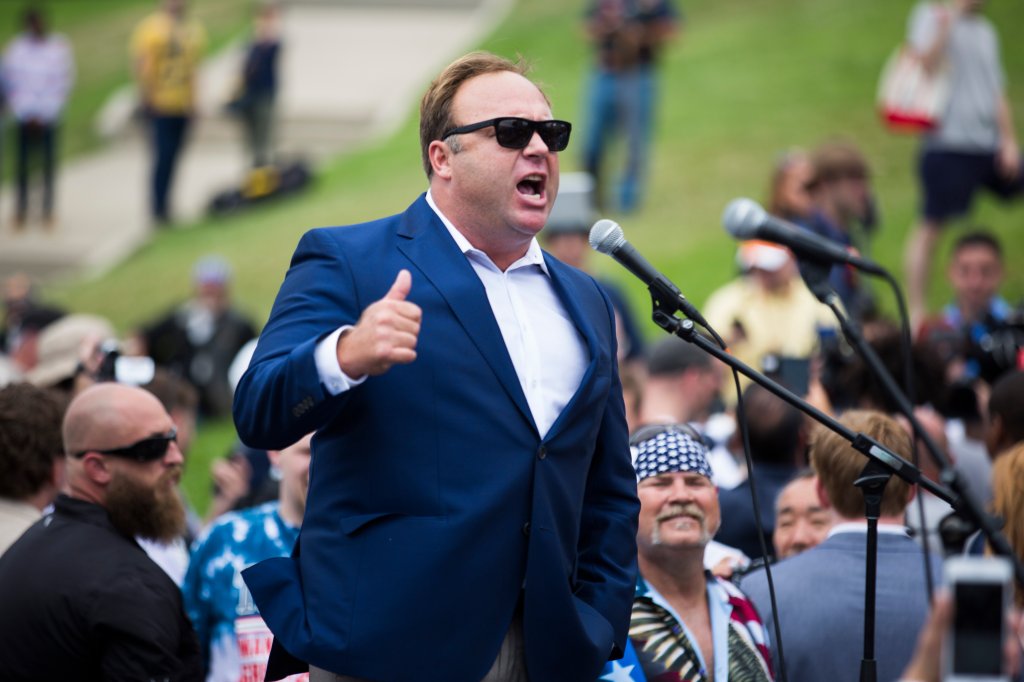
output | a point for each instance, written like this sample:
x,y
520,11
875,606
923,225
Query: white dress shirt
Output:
x,y
862,527
546,349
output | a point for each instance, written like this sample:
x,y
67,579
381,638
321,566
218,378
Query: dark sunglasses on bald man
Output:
x,y
512,132
145,450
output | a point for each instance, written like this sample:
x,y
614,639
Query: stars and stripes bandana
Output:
x,y
672,449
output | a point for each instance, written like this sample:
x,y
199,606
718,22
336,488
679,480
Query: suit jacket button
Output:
x,y
526,528
542,452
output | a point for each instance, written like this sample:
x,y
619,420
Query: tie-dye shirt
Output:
x,y
233,637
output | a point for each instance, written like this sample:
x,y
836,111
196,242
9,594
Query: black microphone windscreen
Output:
x,y
743,217
606,236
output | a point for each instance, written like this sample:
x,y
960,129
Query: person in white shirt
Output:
x,y
38,71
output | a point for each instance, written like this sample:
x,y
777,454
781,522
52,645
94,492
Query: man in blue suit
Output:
x,y
472,505
820,592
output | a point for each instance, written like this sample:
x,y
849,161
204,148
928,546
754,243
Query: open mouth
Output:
x,y
532,186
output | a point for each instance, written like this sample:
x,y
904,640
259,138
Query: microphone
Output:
x,y
745,219
606,237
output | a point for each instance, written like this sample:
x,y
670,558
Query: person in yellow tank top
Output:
x,y
166,48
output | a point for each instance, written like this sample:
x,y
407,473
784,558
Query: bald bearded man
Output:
x,y
81,599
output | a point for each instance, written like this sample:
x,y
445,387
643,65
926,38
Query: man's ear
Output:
x,y
275,458
822,493
97,468
440,157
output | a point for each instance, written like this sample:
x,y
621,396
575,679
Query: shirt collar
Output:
x,y
534,255
645,589
862,527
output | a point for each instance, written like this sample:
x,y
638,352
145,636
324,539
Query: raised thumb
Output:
x,y
400,289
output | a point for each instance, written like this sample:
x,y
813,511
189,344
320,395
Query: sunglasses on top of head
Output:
x,y
145,450
513,132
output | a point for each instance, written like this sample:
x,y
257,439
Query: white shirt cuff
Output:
x,y
327,367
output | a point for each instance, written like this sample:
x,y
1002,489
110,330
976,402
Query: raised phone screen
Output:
x,y
977,628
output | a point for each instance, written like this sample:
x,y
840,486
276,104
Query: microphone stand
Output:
x,y
860,442
963,501
871,482
873,479
882,463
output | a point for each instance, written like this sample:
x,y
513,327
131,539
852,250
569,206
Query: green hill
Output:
x,y
745,80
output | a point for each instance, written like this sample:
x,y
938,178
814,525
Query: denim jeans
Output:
x,y
620,102
168,139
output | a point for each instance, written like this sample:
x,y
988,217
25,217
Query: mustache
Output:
x,y
173,474
689,509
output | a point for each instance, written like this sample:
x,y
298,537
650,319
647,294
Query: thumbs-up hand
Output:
x,y
385,334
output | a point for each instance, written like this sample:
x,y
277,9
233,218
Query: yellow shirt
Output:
x,y
166,54
782,323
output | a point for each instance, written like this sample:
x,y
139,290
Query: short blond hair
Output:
x,y
838,465
436,105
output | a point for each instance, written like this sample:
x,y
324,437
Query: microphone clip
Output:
x,y
665,301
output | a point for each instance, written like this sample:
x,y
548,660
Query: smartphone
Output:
x,y
793,373
982,590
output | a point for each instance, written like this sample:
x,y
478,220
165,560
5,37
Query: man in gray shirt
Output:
x,y
975,145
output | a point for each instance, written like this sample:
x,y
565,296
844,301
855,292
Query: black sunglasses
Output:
x,y
145,450
512,132
645,433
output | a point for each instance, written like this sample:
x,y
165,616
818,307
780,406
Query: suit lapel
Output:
x,y
424,239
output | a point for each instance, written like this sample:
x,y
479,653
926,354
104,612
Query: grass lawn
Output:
x,y
745,80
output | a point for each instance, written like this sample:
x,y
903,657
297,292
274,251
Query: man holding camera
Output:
x,y
978,314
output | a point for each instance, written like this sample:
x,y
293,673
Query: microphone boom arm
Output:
x,y
860,442
864,444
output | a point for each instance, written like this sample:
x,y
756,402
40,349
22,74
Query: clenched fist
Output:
x,y
385,334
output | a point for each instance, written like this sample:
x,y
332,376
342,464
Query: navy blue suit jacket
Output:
x,y
434,503
820,594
